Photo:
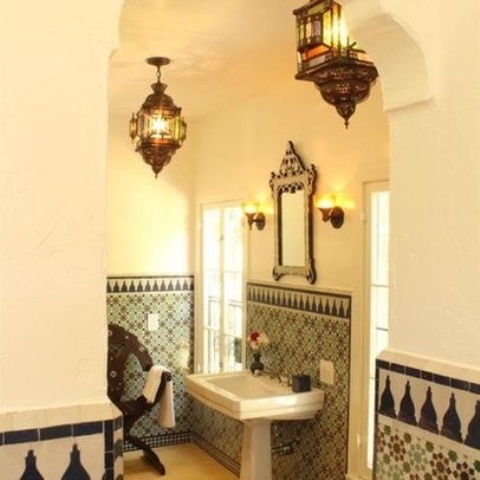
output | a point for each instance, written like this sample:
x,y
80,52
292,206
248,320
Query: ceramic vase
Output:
x,y
256,364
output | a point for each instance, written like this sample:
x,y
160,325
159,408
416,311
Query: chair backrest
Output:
x,y
122,344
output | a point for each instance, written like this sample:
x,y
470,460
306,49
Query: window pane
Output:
x,y
211,342
378,298
213,313
233,247
380,234
381,341
222,288
211,239
379,306
233,323
212,283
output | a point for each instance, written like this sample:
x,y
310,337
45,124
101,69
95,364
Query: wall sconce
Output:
x,y
330,212
254,216
158,126
327,57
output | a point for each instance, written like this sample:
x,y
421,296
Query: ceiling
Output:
x,y
222,52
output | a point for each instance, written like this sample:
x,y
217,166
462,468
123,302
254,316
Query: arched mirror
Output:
x,y
292,190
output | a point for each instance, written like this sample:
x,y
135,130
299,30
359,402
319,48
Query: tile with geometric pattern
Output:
x,y
304,326
401,455
427,419
129,302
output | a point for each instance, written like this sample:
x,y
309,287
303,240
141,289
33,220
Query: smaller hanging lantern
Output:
x,y
326,56
158,126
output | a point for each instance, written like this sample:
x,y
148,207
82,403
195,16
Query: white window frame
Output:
x,y
202,363
367,415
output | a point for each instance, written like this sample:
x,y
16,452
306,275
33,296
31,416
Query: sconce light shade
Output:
x,y
327,57
330,212
158,126
254,216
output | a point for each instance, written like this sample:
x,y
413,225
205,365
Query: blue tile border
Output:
x,y
59,431
451,382
424,416
109,436
88,428
118,423
21,436
37,435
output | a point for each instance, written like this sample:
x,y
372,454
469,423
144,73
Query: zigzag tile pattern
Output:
x,y
330,304
150,284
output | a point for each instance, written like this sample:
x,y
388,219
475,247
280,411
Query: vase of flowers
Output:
x,y
258,341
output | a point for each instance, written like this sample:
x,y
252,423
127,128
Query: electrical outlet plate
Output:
x,y
153,321
327,372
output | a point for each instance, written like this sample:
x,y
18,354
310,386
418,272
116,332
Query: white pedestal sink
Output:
x,y
256,401
256,450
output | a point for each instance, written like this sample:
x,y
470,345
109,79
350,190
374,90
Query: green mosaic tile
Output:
x,y
299,339
129,301
406,456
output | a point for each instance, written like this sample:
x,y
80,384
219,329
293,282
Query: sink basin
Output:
x,y
256,401
243,396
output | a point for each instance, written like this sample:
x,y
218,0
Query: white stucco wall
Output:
x,y
149,220
53,80
435,173
250,144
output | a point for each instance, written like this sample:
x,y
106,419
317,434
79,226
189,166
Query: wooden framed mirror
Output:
x,y
292,190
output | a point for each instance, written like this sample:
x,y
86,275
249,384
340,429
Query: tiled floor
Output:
x,y
182,462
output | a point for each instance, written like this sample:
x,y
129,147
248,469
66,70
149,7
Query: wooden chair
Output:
x,y
122,344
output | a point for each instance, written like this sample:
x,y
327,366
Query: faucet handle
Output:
x,y
286,379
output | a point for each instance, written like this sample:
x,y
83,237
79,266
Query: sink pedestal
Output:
x,y
256,450
256,401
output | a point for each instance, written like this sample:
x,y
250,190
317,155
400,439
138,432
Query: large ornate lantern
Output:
x,y
326,56
158,126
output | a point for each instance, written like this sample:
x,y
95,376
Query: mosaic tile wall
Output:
x,y
303,326
428,420
74,443
219,435
129,302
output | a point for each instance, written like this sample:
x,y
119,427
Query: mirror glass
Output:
x,y
292,191
293,228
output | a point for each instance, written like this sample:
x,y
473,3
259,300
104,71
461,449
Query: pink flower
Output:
x,y
257,339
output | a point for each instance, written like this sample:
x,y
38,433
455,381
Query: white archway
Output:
x,y
399,58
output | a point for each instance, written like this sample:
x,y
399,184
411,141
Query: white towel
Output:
x,y
153,382
166,412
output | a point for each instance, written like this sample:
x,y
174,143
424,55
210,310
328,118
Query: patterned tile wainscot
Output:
x,y
304,326
61,443
129,302
428,419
